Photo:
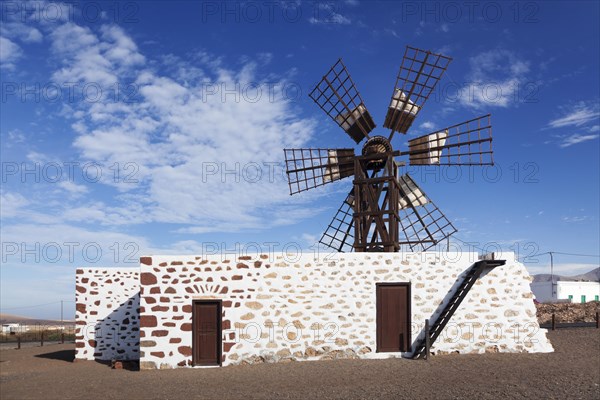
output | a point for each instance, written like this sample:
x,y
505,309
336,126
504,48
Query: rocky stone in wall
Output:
x,y
107,317
325,309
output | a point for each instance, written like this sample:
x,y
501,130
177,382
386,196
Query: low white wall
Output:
x,y
284,308
107,314
577,289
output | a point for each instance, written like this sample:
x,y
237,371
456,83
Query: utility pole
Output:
x,y
552,276
61,315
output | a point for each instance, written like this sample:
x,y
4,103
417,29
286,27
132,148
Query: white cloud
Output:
x,y
582,116
309,239
20,31
578,115
392,32
197,153
445,49
427,125
15,136
333,19
73,188
327,14
577,218
576,139
92,59
128,213
493,80
38,158
10,53
12,204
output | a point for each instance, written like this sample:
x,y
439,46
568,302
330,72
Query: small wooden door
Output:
x,y
393,317
206,319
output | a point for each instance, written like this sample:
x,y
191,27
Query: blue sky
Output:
x,y
141,128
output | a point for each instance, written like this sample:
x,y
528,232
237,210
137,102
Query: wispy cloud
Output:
x,y
576,139
580,114
577,218
328,14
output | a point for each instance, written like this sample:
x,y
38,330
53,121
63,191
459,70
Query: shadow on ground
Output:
x,y
62,355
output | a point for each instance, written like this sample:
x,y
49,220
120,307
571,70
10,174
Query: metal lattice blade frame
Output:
x,y
339,235
422,224
337,95
310,168
419,73
467,143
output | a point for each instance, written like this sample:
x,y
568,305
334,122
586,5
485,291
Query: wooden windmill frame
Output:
x,y
386,211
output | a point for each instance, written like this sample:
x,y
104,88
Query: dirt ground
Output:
x,y
572,371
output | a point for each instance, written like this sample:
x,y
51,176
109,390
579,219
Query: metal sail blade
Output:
x,y
422,224
338,97
309,168
467,143
339,235
419,73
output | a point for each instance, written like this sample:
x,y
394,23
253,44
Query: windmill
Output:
x,y
385,211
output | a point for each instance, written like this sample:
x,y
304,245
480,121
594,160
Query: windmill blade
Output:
x,y
467,143
337,95
310,168
339,235
419,73
422,224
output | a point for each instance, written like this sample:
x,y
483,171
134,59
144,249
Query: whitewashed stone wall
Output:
x,y
304,309
107,314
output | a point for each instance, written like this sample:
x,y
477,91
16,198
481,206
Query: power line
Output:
x,y
561,253
575,254
532,255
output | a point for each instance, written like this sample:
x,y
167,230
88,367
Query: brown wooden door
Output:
x,y
207,333
393,317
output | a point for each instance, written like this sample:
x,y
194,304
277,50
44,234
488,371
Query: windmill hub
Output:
x,y
376,145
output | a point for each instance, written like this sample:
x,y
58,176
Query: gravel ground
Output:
x,y
573,371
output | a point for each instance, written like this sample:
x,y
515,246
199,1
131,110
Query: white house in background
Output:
x,y
14,328
571,291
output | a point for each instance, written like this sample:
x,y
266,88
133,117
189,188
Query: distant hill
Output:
x,y
591,276
9,318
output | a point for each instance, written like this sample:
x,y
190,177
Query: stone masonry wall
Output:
x,y
280,308
107,314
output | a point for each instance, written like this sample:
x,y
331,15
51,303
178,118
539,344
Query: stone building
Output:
x,y
181,311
